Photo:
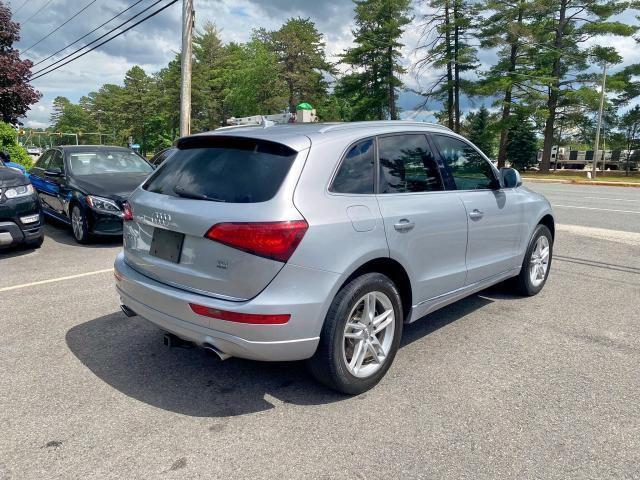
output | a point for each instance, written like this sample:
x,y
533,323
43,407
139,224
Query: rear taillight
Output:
x,y
254,318
275,240
127,215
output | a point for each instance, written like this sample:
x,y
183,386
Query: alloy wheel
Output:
x,y
539,263
368,334
77,223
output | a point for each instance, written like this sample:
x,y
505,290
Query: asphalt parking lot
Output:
x,y
495,386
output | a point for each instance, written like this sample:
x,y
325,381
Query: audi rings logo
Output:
x,y
160,218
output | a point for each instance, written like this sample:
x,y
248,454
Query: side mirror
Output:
x,y
53,172
510,178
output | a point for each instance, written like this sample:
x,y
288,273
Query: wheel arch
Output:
x,y
549,222
395,271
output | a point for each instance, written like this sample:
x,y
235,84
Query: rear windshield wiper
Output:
x,y
181,192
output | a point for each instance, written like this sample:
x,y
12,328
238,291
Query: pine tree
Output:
x,y
479,130
300,49
522,147
446,42
567,25
510,26
372,85
207,92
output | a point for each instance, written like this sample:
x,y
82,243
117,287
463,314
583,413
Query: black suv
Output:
x,y
20,214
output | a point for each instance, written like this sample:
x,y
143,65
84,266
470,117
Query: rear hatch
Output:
x,y
214,180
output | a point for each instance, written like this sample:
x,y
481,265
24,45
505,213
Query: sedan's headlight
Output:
x,y
103,205
17,192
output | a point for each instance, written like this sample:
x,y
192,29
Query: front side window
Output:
x,y
355,174
407,164
466,165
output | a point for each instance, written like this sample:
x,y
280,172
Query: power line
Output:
x,y
37,12
97,39
20,7
60,26
86,35
106,41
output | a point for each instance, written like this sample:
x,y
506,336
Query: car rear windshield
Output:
x,y
224,169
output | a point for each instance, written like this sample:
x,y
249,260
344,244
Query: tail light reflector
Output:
x,y
275,240
127,215
253,318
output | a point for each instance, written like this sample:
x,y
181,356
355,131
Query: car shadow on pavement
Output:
x,y
129,355
60,232
441,318
15,251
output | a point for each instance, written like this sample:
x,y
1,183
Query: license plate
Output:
x,y
166,244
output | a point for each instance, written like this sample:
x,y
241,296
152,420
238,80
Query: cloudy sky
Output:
x,y
153,43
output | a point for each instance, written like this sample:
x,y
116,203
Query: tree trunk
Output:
x,y
447,22
506,103
456,66
552,102
392,91
504,134
292,107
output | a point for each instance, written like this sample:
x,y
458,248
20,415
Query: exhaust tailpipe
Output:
x,y
221,355
127,311
172,341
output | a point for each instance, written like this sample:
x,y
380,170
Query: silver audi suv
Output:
x,y
318,242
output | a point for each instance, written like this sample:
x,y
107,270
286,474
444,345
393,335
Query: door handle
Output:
x,y
476,214
404,225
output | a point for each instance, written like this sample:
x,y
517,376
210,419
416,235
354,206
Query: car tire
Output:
x,y
528,283
79,224
346,333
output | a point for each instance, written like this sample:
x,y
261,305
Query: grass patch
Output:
x,y
633,177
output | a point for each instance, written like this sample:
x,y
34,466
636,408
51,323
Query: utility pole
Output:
x,y
595,154
185,85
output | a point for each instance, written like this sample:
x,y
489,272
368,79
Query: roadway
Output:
x,y
495,386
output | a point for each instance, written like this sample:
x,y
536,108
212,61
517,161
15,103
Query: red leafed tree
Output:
x,y
16,95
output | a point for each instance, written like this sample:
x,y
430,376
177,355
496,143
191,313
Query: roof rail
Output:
x,y
380,123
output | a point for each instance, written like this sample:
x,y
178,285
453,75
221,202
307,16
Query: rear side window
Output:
x,y
468,167
225,169
407,164
355,174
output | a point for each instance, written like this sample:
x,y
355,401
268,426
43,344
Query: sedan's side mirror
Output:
x,y
53,172
510,178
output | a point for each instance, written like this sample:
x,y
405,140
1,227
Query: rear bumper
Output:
x,y
303,293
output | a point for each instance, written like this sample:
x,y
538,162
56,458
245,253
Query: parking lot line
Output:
x,y
614,199
52,280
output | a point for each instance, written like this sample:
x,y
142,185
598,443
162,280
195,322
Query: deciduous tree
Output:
x,y
16,94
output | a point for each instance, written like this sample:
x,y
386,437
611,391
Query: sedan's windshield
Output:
x,y
107,161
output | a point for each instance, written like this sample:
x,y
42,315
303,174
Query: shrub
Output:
x,y
9,144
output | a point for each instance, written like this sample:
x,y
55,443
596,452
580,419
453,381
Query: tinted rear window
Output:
x,y
226,169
